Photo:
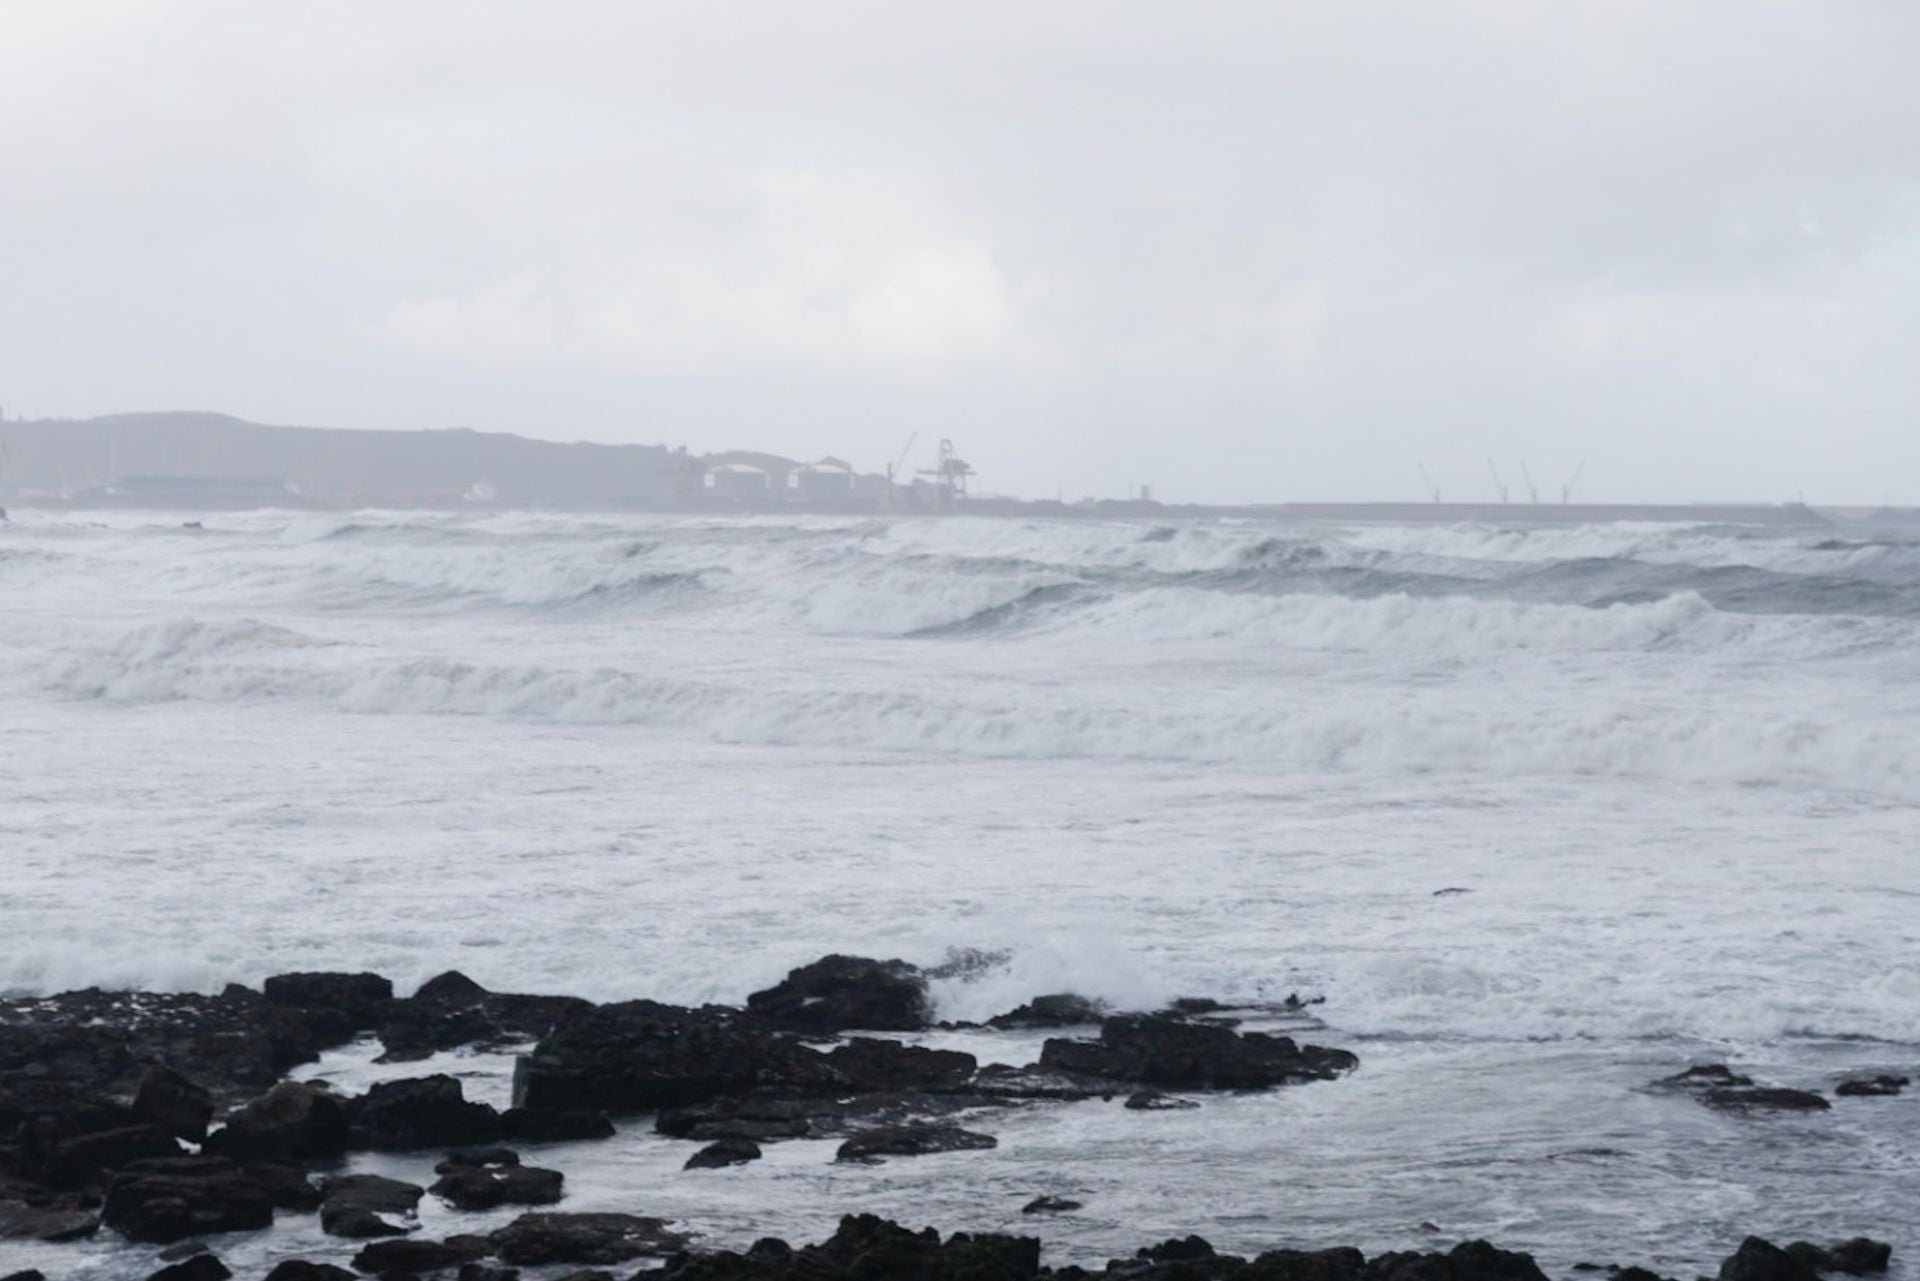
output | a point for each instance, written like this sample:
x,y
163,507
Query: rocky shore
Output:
x,y
170,1120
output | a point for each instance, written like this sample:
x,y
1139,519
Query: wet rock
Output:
x,y
485,1272
1855,1257
1050,1205
723,1152
1766,1099
839,993
357,999
533,1240
301,1270
1153,1049
1343,1263
19,1221
1718,1086
912,1140
172,1103
31,1274
484,1187
769,1118
870,1249
233,1044
410,1254
882,1066
163,1201
1760,1260
360,1205
1178,1249
1002,1081
293,1122
642,1056
201,1267
420,1112
1468,1261
1155,1101
76,1162
467,1158
530,1125
452,1010
1063,1009
287,1186
1872,1086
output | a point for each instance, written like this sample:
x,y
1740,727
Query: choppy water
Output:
x,y
1678,768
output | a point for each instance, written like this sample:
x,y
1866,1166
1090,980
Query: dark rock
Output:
x,y
18,1220
866,1248
1050,1205
755,1118
838,993
486,1272
287,1186
1758,1260
81,1160
355,1205
293,1122
104,1042
413,1255
1342,1263
1001,1081
1063,1009
1872,1086
912,1140
172,1103
1771,1099
467,1158
358,997
169,1200
641,1056
1715,1075
451,1010
31,1274
587,1274
1157,1050
529,1125
201,1267
723,1152
882,1066
1718,1086
420,1112
535,1239
1856,1257
1155,1101
1171,1251
301,1270
484,1187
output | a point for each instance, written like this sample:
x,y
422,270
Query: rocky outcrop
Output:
x,y
420,1112
843,993
1063,1009
912,1140
1154,1049
169,1200
1871,1086
641,1056
411,1255
534,1240
483,1187
1718,1086
367,1205
451,1010
723,1152
293,1122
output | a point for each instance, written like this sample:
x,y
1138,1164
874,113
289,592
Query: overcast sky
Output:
x,y
1235,250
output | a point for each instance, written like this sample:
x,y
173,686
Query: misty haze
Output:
x,y
756,642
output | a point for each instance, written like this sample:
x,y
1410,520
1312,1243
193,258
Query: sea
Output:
x,y
1538,814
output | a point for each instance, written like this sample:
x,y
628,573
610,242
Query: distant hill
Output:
x,y
184,457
